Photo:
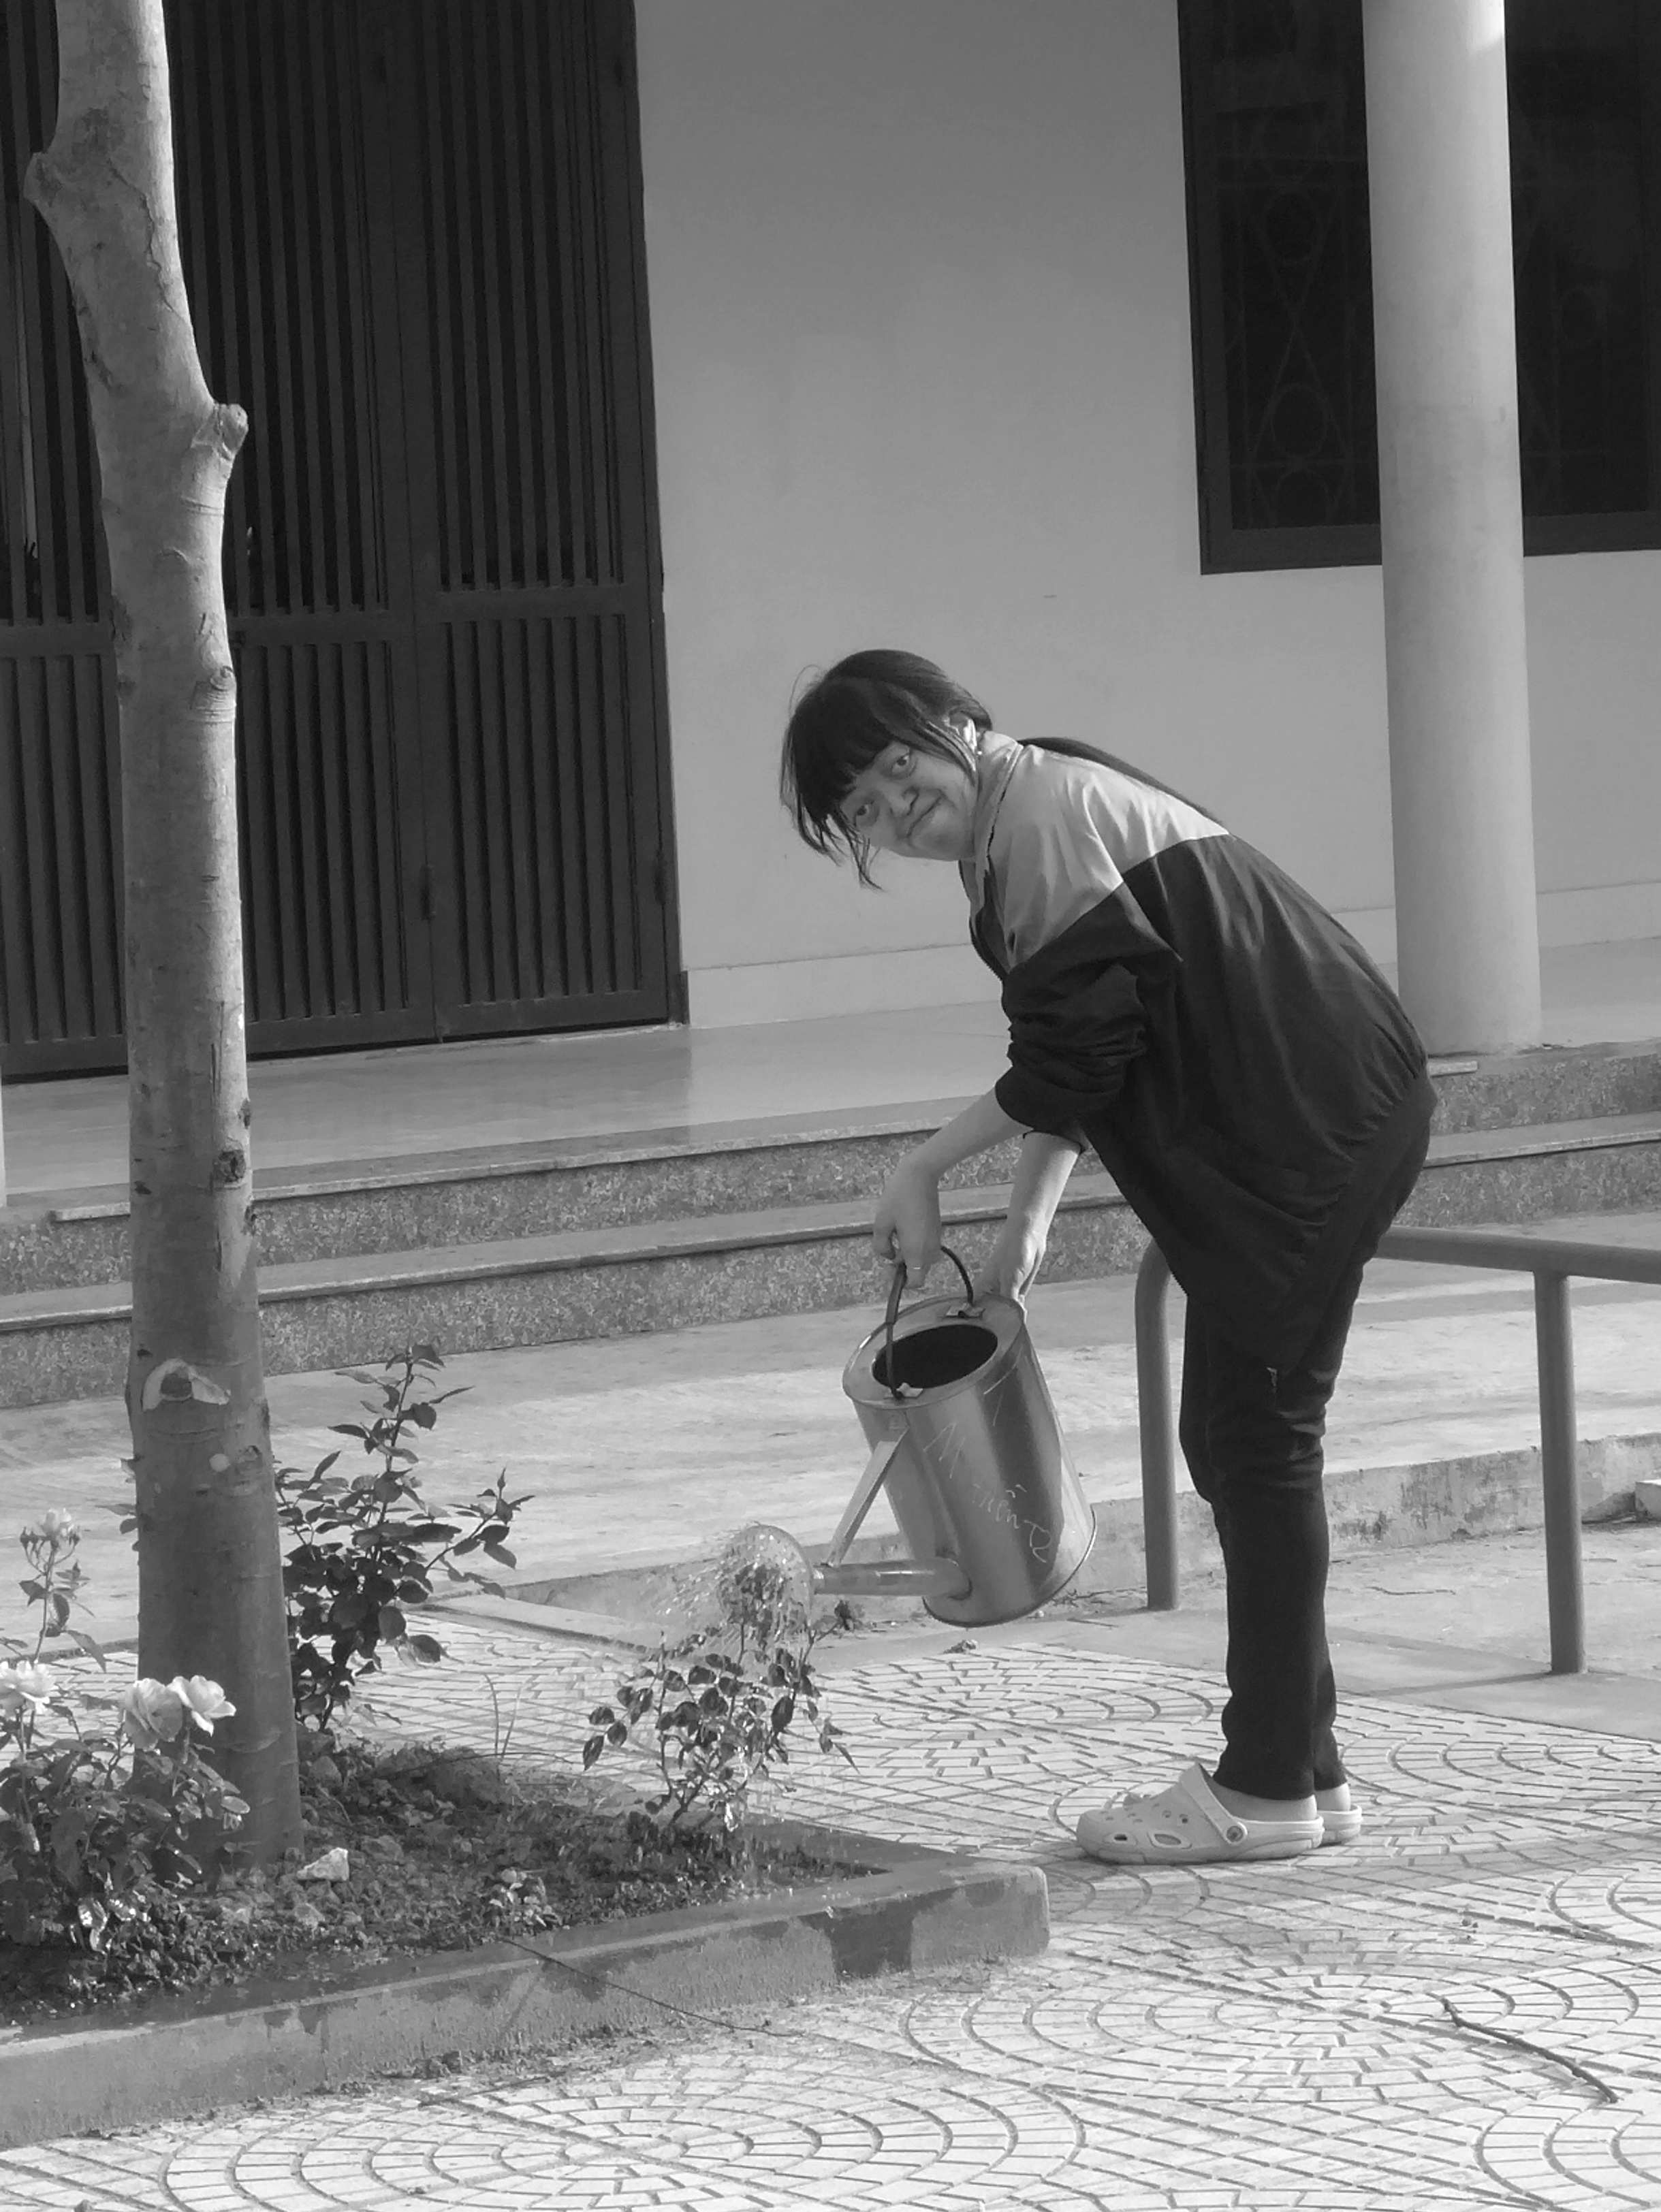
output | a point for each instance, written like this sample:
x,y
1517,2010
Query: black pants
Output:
x,y
1251,1436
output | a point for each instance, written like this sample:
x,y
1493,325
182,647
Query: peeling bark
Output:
x,y
210,1563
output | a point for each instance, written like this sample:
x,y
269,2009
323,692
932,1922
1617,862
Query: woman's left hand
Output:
x,y
1014,1262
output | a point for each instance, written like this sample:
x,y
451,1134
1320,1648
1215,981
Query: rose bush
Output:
x,y
719,1703
106,1802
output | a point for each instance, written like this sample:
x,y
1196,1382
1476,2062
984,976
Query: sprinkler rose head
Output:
x,y
763,1583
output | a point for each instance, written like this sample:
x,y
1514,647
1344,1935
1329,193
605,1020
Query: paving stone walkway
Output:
x,y
1461,2010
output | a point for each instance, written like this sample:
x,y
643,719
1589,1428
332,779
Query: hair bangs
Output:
x,y
846,718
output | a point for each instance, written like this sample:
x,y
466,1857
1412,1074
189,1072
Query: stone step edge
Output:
x,y
567,1251
342,1178
490,1162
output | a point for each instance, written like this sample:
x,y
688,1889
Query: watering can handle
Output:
x,y
897,1291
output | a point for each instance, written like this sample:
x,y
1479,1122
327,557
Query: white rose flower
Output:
x,y
152,1712
203,1699
24,1685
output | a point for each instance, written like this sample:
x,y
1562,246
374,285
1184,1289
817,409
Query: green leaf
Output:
x,y
426,1649
423,1415
592,1750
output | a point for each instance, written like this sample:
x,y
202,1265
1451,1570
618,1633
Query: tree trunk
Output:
x,y
210,1563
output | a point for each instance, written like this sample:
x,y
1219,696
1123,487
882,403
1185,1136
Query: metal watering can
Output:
x,y
964,1437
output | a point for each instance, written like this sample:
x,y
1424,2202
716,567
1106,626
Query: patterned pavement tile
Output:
x,y
1460,2011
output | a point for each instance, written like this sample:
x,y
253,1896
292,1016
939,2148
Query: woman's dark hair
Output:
x,y
849,715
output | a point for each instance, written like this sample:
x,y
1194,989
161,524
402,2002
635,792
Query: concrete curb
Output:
x,y
907,1910
1381,1508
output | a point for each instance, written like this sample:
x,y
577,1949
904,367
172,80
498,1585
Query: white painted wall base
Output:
x,y
1374,927
1607,914
951,976
849,983
1602,914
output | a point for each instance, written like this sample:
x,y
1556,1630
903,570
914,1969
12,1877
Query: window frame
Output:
x,y
1229,548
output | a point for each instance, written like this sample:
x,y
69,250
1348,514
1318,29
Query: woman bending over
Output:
x,y
1254,1087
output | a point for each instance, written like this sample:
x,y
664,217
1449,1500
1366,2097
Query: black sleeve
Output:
x,y
1069,1047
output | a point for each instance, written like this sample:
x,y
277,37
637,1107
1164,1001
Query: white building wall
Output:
x,y
918,288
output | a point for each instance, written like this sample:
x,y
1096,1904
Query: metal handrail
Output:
x,y
1551,1260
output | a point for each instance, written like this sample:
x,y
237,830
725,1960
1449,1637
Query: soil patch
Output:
x,y
444,1850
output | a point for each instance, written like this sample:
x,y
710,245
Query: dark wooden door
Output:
x,y
411,238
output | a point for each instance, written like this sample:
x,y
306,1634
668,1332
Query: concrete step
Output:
x,y
445,1200
475,1196
649,1276
1553,1083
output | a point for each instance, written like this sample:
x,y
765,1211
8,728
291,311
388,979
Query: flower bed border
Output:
x,y
901,1909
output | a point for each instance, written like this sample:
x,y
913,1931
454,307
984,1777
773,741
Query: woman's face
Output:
x,y
917,803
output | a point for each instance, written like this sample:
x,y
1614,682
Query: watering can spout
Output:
x,y
837,1576
891,1578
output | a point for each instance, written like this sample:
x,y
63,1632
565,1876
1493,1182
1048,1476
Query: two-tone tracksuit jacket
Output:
x,y
1242,1069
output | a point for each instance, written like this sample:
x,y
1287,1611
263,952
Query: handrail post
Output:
x,y
1554,1349
1158,1442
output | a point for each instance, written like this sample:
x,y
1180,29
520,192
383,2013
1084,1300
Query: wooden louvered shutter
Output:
x,y
60,857
534,593
281,197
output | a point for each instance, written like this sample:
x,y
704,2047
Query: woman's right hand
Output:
x,y
908,1221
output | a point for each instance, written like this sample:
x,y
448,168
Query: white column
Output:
x,y
1438,179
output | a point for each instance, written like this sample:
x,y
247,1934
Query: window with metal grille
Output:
x,y
1275,119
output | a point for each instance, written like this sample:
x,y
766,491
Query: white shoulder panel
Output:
x,y
1066,834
